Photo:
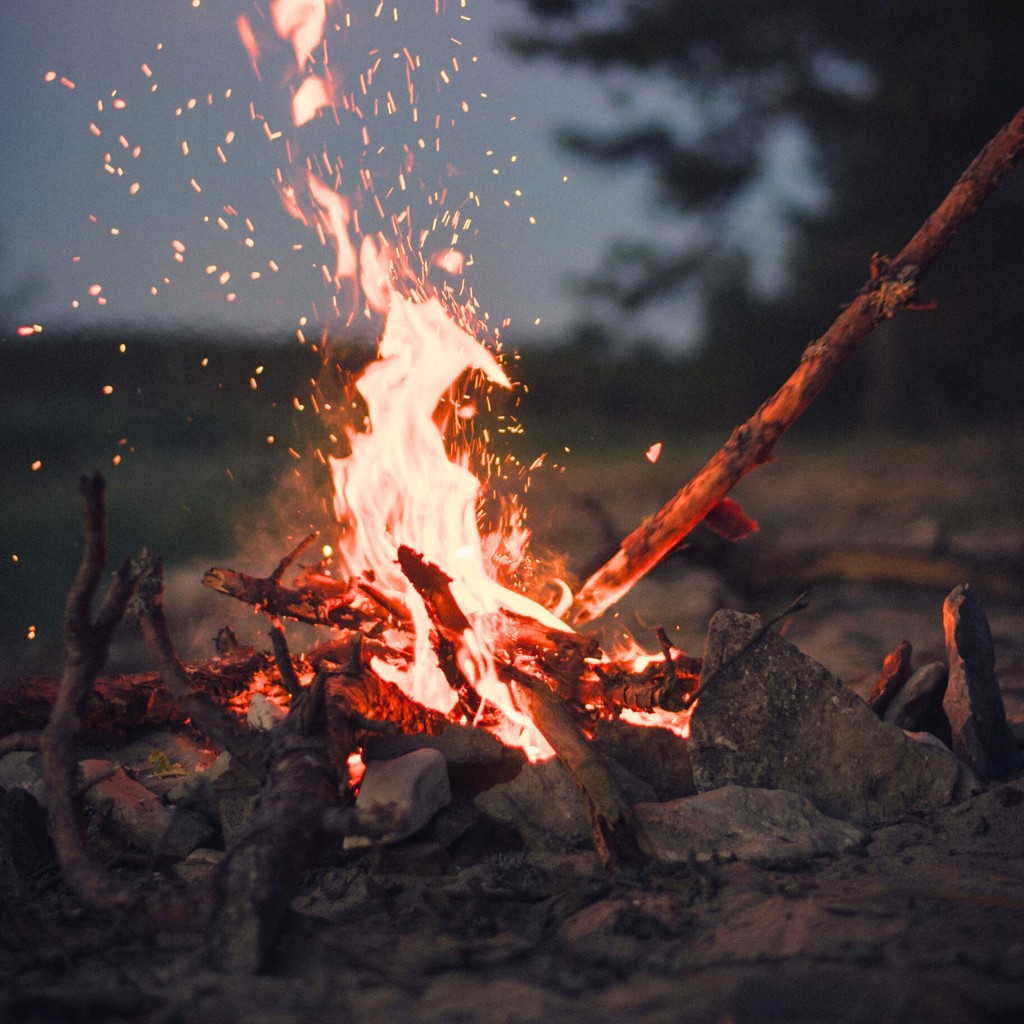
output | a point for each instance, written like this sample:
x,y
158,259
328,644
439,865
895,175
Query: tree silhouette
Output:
x,y
874,105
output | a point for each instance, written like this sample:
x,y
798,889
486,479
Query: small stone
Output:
x,y
545,806
141,817
771,718
918,706
264,714
411,788
23,769
200,866
973,701
771,827
655,755
928,739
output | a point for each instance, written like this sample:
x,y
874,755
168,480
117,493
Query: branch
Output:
x,y
86,644
892,286
324,603
214,721
612,825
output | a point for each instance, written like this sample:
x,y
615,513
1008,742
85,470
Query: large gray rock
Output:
x,y
545,806
23,769
973,700
772,718
771,827
410,789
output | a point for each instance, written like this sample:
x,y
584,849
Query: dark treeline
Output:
x,y
890,99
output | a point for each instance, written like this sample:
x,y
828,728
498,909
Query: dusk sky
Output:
x,y
70,192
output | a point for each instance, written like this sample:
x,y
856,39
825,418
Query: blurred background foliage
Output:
x,y
853,120
855,117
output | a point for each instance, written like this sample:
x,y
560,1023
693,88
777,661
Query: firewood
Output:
x,y
892,286
86,643
895,672
216,722
285,837
360,693
611,819
323,603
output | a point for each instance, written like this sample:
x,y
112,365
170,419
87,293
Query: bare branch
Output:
x,y
891,287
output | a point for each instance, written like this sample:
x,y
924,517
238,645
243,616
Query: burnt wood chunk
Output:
x,y
973,700
895,672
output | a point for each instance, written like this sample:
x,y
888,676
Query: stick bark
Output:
x,y
86,644
892,286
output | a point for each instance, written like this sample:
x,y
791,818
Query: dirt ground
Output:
x,y
923,924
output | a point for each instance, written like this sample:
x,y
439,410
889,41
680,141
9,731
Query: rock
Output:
x,y
412,788
973,701
141,817
25,847
263,714
928,739
918,706
476,758
196,790
200,866
771,827
654,755
771,718
235,790
159,759
23,769
545,806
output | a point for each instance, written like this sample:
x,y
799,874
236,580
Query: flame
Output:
x,y
301,22
398,486
310,97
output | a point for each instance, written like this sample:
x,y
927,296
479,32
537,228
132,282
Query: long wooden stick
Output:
x,y
891,287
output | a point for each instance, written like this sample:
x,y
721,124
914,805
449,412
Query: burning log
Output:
x,y
611,820
892,286
321,601
610,817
